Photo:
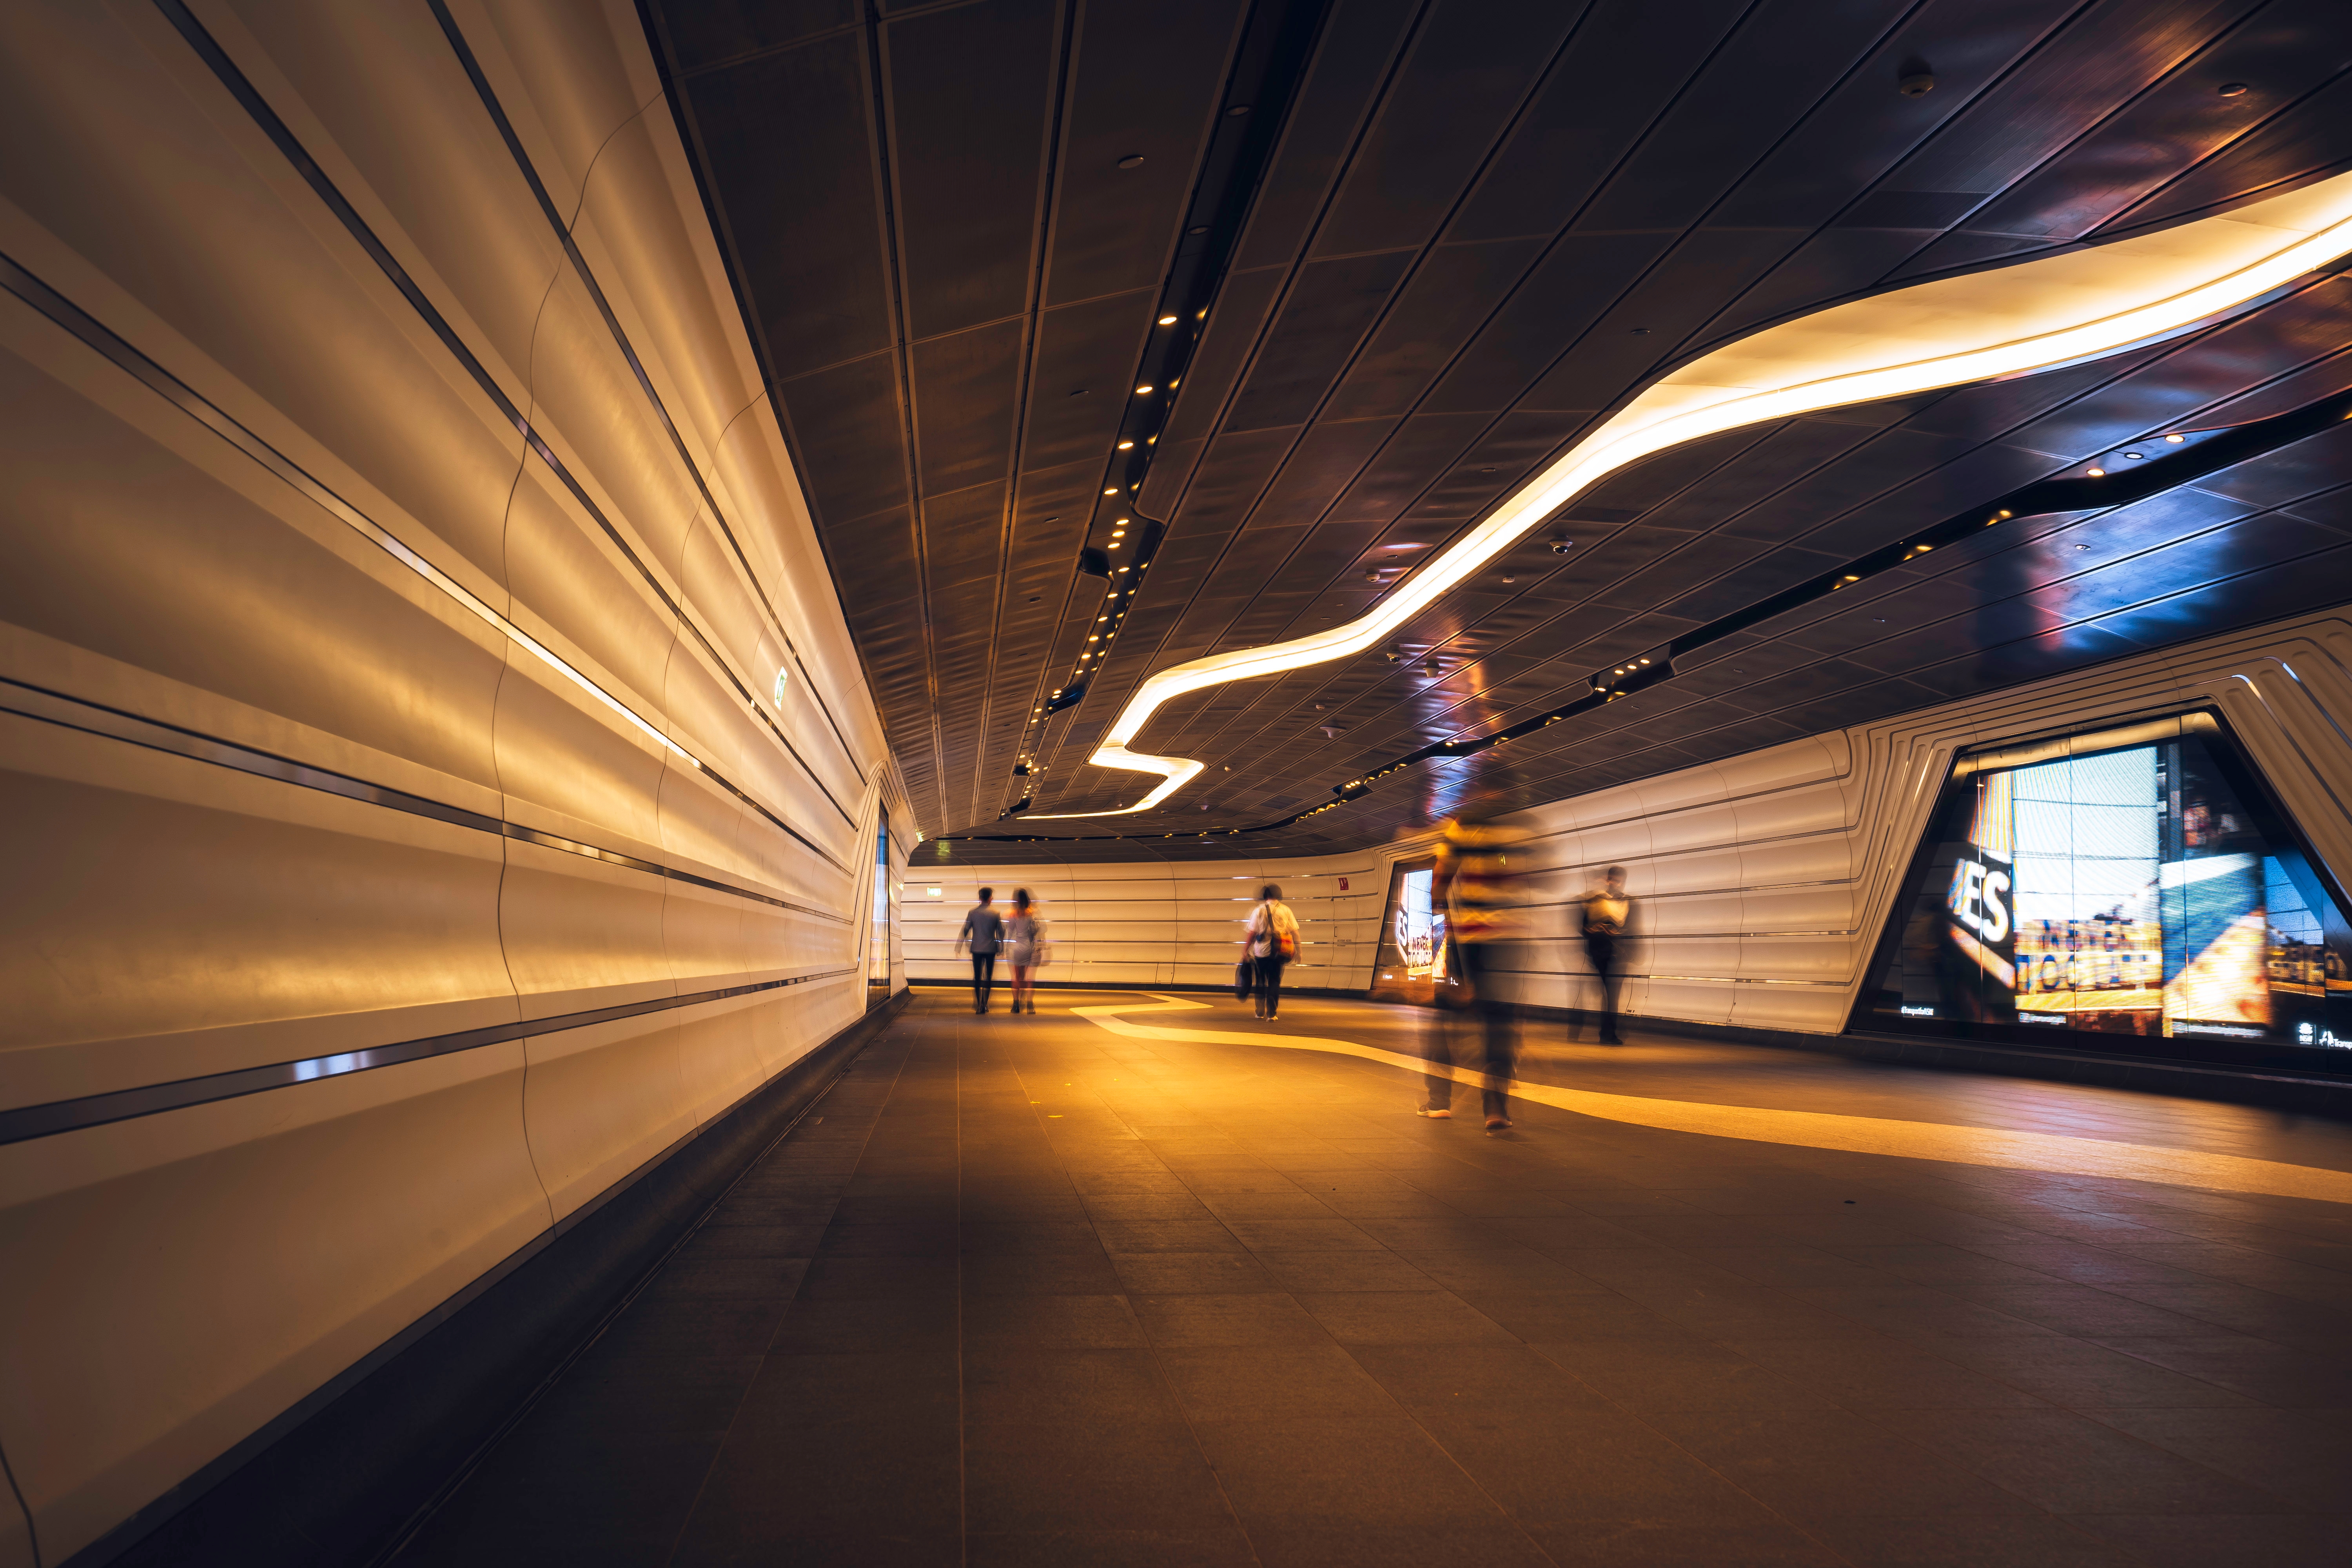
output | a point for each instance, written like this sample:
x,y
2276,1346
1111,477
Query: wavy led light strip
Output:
x,y
2037,315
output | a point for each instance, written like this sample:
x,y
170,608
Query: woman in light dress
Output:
x,y
1024,944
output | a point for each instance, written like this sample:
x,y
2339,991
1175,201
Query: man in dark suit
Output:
x,y
983,933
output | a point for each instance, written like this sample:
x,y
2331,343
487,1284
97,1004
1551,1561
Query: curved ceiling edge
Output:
x,y
1980,326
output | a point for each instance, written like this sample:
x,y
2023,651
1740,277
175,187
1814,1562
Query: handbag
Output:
x,y
1244,976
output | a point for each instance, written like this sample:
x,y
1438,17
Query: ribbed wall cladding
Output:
x,y
185,625
1760,882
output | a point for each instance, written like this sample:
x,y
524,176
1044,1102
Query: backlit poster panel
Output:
x,y
1414,957
2145,889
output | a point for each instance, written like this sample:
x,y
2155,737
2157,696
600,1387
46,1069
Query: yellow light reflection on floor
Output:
x,y
2048,1151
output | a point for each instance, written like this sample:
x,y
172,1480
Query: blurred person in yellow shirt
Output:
x,y
1477,885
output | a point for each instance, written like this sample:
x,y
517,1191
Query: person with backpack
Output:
x,y
1272,935
983,933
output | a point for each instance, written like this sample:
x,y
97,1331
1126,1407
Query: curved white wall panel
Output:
x,y
1760,881
334,720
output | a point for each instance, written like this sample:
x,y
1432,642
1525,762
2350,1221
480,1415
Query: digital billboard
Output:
x,y
1412,964
2131,882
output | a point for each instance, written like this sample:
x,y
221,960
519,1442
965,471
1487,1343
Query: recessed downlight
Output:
x,y
1123,446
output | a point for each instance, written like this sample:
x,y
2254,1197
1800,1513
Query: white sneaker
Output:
x,y
1439,1114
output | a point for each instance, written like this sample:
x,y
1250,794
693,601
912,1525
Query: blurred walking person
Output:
x,y
983,933
1607,913
1025,943
1475,880
1273,934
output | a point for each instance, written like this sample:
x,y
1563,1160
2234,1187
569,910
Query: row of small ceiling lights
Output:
x,y
1137,437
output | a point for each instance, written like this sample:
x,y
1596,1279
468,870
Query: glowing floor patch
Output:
x,y
2050,1152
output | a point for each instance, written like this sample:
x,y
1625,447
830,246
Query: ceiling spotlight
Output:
x,y
1508,578
2133,456
2176,440
1167,321
1237,111
1198,228
1562,546
1112,492
1123,446
1430,667
1373,575
2098,473
2232,89
1132,161
1919,84
1142,391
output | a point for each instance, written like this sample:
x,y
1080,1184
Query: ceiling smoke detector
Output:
x,y
1919,84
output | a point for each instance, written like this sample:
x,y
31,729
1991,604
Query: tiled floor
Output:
x,y
1023,1290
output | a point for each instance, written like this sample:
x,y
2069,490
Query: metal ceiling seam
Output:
x,y
248,97
884,172
1633,150
1500,141
1342,170
2059,460
1150,533
587,275
1042,230
1039,717
2185,61
1153,532
1365,121
1888,345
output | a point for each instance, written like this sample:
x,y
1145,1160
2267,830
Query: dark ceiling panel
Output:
x,y
1470,64
1154,71
1316,330
1478,230
965,389
1352,57
969,95
850,412
804,231
718,31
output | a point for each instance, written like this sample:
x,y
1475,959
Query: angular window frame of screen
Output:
x,y
2037,315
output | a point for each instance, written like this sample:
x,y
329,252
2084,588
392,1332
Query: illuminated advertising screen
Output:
x,y
1414,956
2135,882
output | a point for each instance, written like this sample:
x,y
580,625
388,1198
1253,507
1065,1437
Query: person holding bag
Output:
x,y
1272,942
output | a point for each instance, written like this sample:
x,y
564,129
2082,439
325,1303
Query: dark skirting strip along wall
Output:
x,y
338,1481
